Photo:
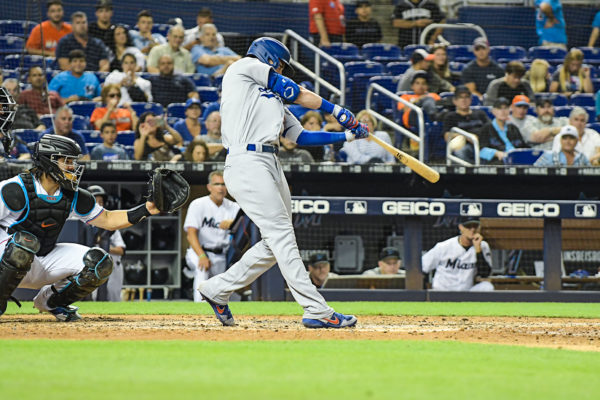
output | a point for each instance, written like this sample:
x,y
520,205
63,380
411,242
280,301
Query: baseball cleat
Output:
x,y
66,314
337,320
223,313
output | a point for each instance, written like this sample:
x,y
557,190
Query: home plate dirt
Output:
x,y
568,333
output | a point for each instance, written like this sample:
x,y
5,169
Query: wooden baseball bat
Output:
x,y
420,168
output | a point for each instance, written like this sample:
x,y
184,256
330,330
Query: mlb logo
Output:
x,y
355,207
585,210
470,209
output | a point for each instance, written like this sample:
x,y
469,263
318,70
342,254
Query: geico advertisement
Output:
x,y
528,210
435,208
310,206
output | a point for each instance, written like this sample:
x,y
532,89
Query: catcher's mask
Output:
x,y
8,109
58,157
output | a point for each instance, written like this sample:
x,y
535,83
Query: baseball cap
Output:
x,y
480,42
316,258
389,252
360,3
419,74
568,130
501,101
465,221
520,100
191,102
420,55
543,100
104,4
461,89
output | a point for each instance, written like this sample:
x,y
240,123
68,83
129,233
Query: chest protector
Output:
x,y
43,217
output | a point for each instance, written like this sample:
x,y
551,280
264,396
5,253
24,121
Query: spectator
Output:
x,y
196,151
519,117
52,30
458,260
364,29
510,85
169,88
143,38
181,57
566,154
313,121
103,28
319,269
538,76
108,150
190,128
412,16
192,35
76,84
542,130
420,61
572,77
550,23
155,141
367,151
63,126
479,72
498,137
210,58
37,98
589,139
440,67
25,117
389,263
326,22
213,135
123,117
289,153
595,30
421,98
133,87
121,45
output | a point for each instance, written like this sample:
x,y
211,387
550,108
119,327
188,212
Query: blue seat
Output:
x,y
357,90
101,75
456,66
550,54
591,113
207,93
397,68
409,49
83,108
163,29
381,52
460,52
487,109
199,79
562,111
508,53
147,75
173,120
142,107
19,28
594,125
380,102
126,138
51,73
130,151
558,100
79,122
91,136
522,156
176,110
27,135
11,44
591,55
363,67
342,49
217,80
583,100
14,61
596,83
435,148
90,146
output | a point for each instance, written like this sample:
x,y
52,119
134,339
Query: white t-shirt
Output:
x,y
117,77
589,143
361,151
205,216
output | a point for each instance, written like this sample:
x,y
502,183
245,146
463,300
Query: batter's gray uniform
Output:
x,y
253,114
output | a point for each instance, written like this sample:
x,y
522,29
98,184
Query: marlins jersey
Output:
x,y
251,113
456,267
203,214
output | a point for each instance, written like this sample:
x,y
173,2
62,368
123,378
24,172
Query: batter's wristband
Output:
x,y
326,106
137,214
203,255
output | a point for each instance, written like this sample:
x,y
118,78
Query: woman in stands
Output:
x,y
155,140
539,76
190,128
123,117
122,44
367,151
572,77
196,151
440,64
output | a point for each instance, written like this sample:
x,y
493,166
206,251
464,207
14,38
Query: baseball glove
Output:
x,y
168,190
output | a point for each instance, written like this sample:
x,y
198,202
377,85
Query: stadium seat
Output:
x,y
363,67
126,138
357,90
594,125
83,108
173,120
11,44
380,102
460,52
409,49
596,83
142,107
101,75
456,66
397,68
435,148
51,73
14,61
562,111
342,49
550,54
591,113
129,150
91,136
199,79
522,156
147,75
217,80
207,93
583,100
487,109
163,29
19,28
508,53
90,146
381,52
591,55
79,122
176,110
27,135
558,100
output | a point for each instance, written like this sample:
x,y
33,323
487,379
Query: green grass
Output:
x,y
56,369
574,310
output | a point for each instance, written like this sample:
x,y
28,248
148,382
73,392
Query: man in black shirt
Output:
x,y
482,70
103,28
510,85
364,29
412,16
168,87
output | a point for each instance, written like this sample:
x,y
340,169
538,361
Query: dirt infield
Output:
x,y
576,334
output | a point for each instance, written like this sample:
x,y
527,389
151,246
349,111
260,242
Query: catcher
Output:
x,y
34,207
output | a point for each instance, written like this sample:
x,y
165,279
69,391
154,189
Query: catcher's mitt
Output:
x,y
168,189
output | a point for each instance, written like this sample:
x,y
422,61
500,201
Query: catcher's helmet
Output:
x,y
8,109
272,52
97,190
46,155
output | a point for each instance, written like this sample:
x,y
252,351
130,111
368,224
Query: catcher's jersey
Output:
x,y
251,113
456,267
203,214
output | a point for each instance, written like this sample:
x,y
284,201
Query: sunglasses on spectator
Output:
x,y
114,95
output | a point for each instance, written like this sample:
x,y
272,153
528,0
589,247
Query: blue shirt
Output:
x,y
557,33
104,153
66,84
183,130
76,136
95,51
199,50
141,42
551,159
596,23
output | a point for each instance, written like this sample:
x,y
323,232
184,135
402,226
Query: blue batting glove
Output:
x,y
344,117
360,132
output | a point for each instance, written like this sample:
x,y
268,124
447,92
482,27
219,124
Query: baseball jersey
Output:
x,y
205,216
51,35
456,267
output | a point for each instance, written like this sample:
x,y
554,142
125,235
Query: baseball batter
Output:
x,y
458,260
254,116
206,224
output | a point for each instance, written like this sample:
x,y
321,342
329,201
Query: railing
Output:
x,y
420,118
316,74
471,138
431,27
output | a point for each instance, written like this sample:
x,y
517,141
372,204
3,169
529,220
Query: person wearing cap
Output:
x,y
169,87
319,269
108,150
182,59
189,128
389,263
364,29
510,85
133,86
566,155
478,73
588,139
550,23
326,22
420,61
412,16
498,137
459,260
542,130
518,114
420,97
52,30
209,57
192,35
123,116
103,28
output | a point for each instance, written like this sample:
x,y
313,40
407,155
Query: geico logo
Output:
x,y
413,208
310,206
528,210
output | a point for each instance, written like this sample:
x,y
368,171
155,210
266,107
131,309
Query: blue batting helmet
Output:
x,y
271,52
